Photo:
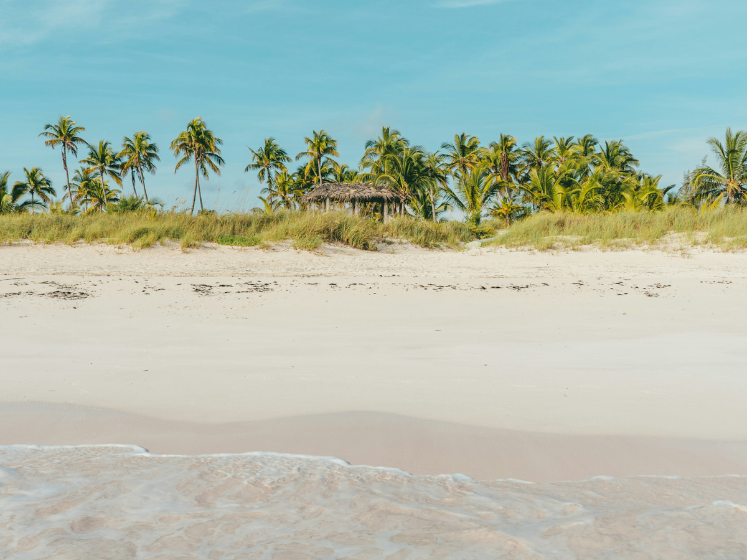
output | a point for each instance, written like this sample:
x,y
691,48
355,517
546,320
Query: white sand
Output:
x,y
500,347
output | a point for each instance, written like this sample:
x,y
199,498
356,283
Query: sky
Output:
x,y
663,75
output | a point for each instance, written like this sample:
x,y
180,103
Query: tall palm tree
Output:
x,y
268,158
463,154
730,183
65,135
472,191
320,145
198,143
138,154
37,185
103,159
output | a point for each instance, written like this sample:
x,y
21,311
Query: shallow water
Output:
x,y
112,502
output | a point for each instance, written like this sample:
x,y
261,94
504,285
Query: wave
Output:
x,y
110,501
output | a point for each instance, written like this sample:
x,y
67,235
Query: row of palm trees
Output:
x,y
501,179
91,187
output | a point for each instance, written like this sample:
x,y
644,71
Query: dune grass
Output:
x,y
306,230
725,229
678,227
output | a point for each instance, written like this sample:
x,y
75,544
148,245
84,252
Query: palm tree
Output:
x,y
103,159
586,145
8,200
138,154
37,185
283,190
198,143
645,194
64,134
616,156
537,154
730,183
472,192
406,173
268,158
564,149
507,208
378,151
463,154
83,182
501,156
436,182
99,196
268,206
320,145
343,174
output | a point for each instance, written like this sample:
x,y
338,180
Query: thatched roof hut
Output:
x,y
353,193
350,192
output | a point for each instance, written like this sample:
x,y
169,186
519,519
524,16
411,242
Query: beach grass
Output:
x,y
306,230
725,228
677,227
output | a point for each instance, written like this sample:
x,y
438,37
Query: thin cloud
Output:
x,y
28,24
467,3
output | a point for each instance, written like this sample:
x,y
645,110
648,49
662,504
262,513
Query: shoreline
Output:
x,y
416,446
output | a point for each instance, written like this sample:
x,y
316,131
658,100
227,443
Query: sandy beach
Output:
x,y
495,364
394,404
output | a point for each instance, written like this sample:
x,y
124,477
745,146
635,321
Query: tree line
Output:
x,y
502,179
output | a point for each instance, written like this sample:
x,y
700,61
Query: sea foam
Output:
x,y
118,502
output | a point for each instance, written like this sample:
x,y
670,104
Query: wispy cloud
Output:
x,y
29,23
467,3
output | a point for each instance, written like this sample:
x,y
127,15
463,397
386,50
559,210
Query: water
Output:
x,y
118,502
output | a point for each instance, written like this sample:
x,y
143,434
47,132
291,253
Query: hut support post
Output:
x,y
355,207
327,205
386,211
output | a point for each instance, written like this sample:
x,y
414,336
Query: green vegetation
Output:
x,y
561,192
307,230
238,240
675,227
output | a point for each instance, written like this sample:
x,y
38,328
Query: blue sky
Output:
x,y
662,74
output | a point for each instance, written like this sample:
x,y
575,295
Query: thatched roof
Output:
x,y
347,192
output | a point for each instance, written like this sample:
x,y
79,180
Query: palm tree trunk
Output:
x,y
142,182
132,174
319,165
67,175
194,196
33,207
199,193
433,209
